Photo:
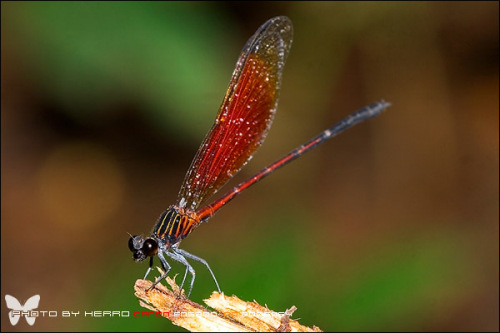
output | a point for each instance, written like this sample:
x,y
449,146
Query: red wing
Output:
x,y
245,115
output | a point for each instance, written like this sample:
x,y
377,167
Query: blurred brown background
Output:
x,y
391,226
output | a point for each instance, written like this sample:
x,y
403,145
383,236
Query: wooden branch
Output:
x,y
230,314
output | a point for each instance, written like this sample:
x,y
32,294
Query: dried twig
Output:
x,y
229,314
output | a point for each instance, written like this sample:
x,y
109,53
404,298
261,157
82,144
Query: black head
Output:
x,y
142,248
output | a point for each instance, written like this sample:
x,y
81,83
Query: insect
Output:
x,y
240,127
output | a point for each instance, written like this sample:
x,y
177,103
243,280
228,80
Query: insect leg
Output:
x,y
198,259
166,267
178,257
149,269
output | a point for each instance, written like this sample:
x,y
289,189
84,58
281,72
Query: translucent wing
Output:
x,y
245,115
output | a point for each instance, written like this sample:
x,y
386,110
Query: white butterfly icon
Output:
x,y
30,305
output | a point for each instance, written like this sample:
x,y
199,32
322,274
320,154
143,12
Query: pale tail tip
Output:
x,y
378,107
385,104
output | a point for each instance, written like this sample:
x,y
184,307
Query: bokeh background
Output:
x,y
391,226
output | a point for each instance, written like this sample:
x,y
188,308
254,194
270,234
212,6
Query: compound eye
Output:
x,y
150,247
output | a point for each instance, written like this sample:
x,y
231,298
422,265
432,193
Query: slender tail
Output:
x,y
357,117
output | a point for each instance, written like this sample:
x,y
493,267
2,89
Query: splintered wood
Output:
x,y
230,314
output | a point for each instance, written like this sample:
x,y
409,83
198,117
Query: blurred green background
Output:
x,y
391,226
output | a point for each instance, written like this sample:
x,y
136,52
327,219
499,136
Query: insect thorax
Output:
x,y
175,224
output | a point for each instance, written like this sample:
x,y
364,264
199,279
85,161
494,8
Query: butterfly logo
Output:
x,y
16,307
